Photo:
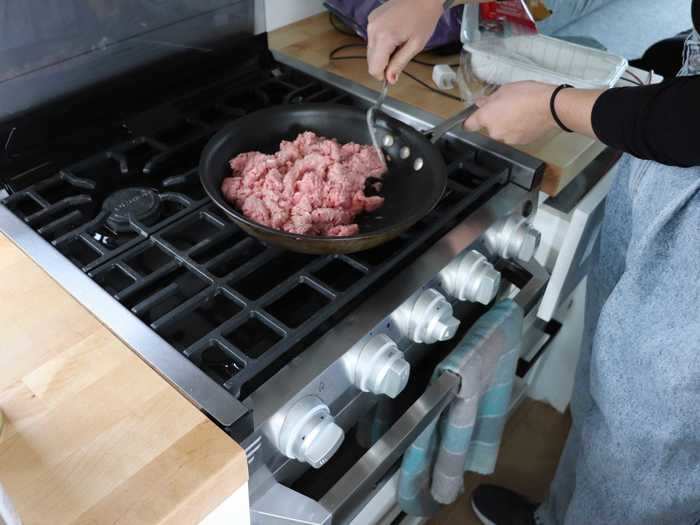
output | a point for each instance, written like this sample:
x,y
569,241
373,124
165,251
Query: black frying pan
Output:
x,y
409,193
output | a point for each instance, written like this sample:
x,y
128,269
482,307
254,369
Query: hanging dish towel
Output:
x,y
467,435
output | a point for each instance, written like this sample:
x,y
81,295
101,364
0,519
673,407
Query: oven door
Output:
x,y
367,492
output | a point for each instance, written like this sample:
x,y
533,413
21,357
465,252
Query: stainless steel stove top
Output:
x,y
129,232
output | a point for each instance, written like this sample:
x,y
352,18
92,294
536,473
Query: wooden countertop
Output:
x,y
92,434
311,40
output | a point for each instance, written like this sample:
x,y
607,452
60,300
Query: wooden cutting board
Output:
x,y
93,435
311,41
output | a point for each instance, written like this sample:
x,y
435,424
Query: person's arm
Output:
x,y
519,113
657,122
650,122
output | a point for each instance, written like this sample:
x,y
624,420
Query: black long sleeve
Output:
x,y
658,122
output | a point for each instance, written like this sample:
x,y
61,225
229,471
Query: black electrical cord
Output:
x,y
333,56
338,49
423,63
363,46
638,81
632,81
339,26
431,88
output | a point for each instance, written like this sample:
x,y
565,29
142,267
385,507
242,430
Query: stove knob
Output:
x,y
426,318
309,433
513,238
471,277
381,367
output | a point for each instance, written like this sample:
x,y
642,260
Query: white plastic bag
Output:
x,y
492,62
503,45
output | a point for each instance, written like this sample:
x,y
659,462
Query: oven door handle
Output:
x,y
360,480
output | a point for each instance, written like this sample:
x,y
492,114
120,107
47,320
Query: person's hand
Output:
x,y
398,30
516,113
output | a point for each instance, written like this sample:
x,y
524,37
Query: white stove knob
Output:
x,y
309,433
471,277
426,318
513,238
381,368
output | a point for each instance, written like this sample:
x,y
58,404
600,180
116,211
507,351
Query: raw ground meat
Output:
x,y
312,186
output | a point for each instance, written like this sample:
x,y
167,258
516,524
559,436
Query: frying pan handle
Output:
x,y
438,131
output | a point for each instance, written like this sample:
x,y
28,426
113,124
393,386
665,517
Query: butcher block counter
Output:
x,y
311,41
92,434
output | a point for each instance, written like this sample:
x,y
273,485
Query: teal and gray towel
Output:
x,y
467,435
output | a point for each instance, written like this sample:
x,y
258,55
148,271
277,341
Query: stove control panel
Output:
x,y
309,433
380,367
426,317
513,238
471,277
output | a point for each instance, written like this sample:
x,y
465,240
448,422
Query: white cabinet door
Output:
x,y
233,511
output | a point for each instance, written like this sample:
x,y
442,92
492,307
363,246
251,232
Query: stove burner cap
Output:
x,y
130,203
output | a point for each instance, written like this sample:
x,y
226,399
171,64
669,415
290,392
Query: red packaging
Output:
x,y
512,11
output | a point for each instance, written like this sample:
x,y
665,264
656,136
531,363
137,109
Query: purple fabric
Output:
x,y
354,14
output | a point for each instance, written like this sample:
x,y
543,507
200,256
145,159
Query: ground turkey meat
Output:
x,y
312,186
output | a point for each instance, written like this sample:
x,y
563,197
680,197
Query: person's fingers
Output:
x,y
473,123
371,45
371,41
496,135
378,55
401,58
481,101
511,139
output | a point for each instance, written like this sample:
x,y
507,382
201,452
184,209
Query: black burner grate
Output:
x,y
101,207
136,220
84,209
238,308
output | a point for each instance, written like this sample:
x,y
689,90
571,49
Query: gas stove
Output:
x,y
256,337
